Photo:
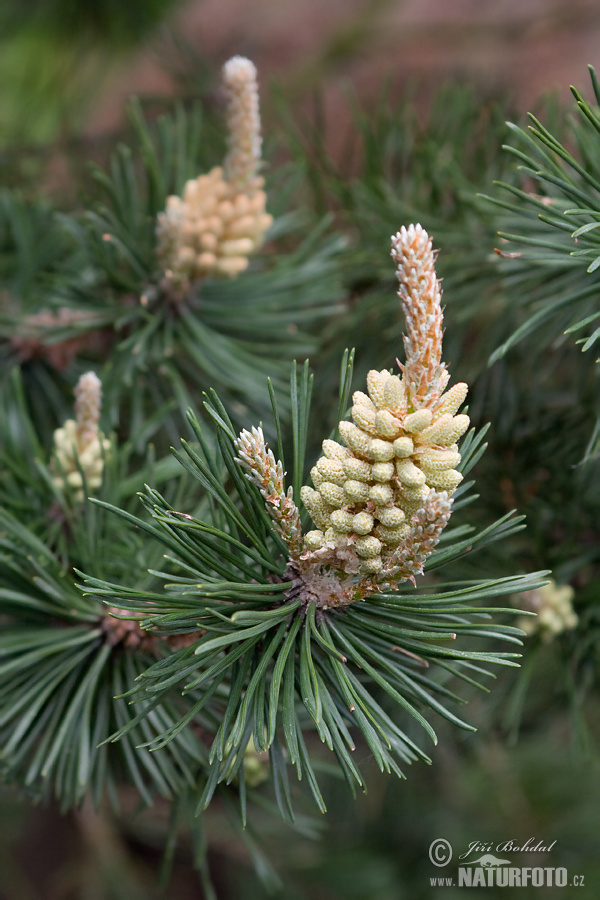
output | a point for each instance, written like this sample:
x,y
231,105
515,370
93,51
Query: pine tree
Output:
x,y
295,581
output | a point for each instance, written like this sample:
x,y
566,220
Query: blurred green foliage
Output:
x,y
56,54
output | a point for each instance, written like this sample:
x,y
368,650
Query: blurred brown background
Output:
x,y
523,48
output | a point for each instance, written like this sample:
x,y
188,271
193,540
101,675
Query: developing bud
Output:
x,y
243,121
221,219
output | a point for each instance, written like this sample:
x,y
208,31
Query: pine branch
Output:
x,y
555,274
169,330
276,659
66,659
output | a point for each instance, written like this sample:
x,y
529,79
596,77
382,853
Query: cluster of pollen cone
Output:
x,y
399,454
79,447
382,494
221,219
212,229
367,491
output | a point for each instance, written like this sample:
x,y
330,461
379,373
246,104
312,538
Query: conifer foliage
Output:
x,y
206,621
295,636
147,274
551,248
